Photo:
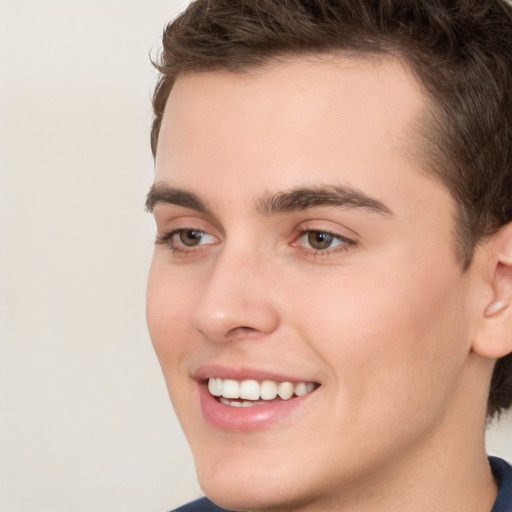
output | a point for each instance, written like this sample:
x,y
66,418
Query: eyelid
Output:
x,y
176,221
182,250
338,236
347,242
170,228
330,227
171,234
168,217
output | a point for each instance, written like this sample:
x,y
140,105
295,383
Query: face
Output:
x,y
302,251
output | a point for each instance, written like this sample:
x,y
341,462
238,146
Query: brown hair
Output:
x,y
460,51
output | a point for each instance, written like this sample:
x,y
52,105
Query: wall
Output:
x,y
85,423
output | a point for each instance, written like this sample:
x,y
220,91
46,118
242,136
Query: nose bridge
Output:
x,y
236,297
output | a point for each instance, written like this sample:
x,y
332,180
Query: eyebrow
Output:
x,y
316,197
288,201
161,193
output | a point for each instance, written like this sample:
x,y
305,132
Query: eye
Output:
x,y
190,237
323,241
319,240
186,240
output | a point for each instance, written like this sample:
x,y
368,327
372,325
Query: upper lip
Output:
x,y
204,372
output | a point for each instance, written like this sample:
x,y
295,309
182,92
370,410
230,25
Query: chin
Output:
x,y
256,494
255,483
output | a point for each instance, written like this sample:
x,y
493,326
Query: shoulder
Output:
x,y
502,472
201,505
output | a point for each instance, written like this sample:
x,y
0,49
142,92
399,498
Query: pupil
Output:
x,y
190,237
320,240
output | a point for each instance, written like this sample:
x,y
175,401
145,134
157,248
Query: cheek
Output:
x,y
169,320
167,312
392,340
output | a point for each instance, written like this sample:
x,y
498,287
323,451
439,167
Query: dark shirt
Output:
x,y
503,475
500,469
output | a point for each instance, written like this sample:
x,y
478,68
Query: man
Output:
x,y
330,292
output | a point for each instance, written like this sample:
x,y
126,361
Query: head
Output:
x,y
404,109
460,56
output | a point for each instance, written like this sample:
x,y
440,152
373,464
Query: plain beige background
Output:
x,y
85,422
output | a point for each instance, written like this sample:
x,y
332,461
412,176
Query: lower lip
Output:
x,y
246,419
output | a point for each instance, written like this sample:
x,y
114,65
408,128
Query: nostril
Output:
x,y
241,331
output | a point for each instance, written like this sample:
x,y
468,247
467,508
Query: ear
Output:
x,y
494,335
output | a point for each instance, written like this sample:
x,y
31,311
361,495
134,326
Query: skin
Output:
x,y
385,320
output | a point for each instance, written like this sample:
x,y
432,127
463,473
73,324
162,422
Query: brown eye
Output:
x,y
190,237
320,240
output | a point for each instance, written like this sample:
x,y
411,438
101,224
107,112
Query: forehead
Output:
x,y
331,120
333,100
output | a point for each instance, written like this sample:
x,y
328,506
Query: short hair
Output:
x,y
459,50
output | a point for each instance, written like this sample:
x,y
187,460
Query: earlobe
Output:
x,y
494,308
494,336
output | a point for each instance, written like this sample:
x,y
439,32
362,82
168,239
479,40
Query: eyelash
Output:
x,y
167,239
181,250
345,243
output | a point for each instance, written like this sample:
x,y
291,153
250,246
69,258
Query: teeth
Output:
x,y
245,403
268,390
215,387
250,390
285,390
301,389
230,389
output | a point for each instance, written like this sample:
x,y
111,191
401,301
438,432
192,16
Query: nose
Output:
x,y
236,300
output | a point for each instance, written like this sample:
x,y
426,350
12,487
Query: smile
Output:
x,y
249,393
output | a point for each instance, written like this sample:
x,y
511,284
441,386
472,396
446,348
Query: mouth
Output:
x,y
251,393
238,399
